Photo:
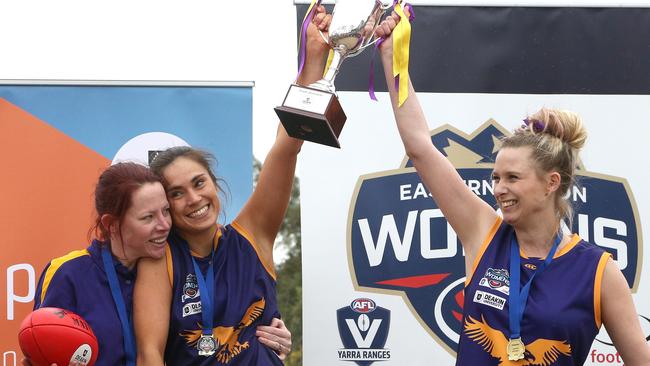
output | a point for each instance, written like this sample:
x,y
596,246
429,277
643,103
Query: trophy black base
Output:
x,y
312,115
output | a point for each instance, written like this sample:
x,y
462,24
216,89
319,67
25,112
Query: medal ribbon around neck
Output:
x,y
518,299
206,287
127,331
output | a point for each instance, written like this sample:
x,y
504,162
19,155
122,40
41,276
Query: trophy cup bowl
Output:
x,y
313,113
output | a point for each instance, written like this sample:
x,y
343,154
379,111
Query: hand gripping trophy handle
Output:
x,y
347,40
314,113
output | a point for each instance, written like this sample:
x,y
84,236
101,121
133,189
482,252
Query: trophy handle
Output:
x,y
376,39
323,37
361,48
368,45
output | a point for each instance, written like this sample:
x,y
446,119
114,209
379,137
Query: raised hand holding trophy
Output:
x,y
313,113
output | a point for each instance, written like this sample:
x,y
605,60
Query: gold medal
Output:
x,y
515,349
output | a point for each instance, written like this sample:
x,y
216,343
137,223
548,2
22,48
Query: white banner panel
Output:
x,y
346,323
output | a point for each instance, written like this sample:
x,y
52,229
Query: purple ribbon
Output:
x,y
408,7
538,126
303,37
371,78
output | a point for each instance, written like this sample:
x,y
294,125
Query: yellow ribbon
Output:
x,y
330,55
401,45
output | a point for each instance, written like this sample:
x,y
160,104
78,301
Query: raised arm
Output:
x,y
469,215
263,213
620,318
151,308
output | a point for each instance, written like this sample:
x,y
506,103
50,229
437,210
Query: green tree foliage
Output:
x,y
289,286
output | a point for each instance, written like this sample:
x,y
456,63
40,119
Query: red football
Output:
x,y
53,335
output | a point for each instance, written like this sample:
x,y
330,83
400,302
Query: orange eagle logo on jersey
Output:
x,y
542,352
228,345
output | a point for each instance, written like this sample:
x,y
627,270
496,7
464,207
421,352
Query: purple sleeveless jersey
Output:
x,y
562,315
244,297
77,282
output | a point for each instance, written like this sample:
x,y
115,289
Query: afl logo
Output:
x,y
363,327
400,243
363,306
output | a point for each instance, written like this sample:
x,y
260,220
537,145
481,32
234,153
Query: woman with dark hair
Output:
x,y
132,222
558,289
221,277
230,266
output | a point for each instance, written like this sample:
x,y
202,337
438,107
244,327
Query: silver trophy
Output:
x,y
314,113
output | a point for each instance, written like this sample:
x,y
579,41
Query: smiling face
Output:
x,y
521,191
192,195
146,223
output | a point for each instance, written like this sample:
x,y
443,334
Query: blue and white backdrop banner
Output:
x,y
373,239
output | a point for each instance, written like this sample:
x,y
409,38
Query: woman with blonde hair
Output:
x,y
559,288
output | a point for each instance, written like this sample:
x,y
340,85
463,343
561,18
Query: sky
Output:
x,y
157,40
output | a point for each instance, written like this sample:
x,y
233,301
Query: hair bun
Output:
x,y
565,125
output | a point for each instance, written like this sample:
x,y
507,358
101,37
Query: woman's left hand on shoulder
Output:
x,y
275,336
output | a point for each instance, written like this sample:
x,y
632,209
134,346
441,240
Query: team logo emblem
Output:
x,y
400,243
190,288
363,327
530,266
497,279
